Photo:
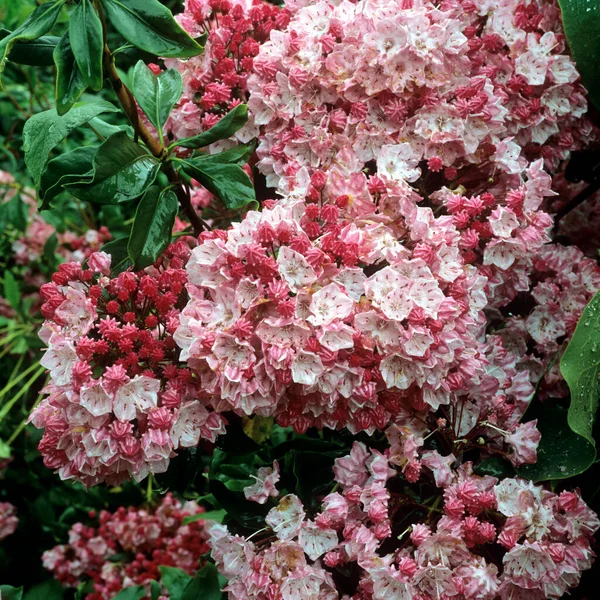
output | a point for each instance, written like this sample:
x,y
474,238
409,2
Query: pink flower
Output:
x,y
264,487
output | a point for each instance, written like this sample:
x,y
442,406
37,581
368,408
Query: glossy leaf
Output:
x,y
36,53
205,585
155,590
580,366
561,452
152,226
44,131
238,155
47,590
120,260
70,83
123,171
496,467
225,128
39,22
85,32
8,592
211,515
149,25
65,168
175,580
156,94
131,593
581,20
228,182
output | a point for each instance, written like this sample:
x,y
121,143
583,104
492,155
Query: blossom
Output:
x,y
119,402
264,487
8,519
144,539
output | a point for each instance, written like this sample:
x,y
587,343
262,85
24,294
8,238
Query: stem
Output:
x,y
6,408
129,106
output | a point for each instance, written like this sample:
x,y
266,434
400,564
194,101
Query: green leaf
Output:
x,y
131,593
65,168
155,590
14,213
175,580
44,131
39,22
581,20
211,515
48,590
580,366
118,252
156,95
8,592
152,226
205,585
85,32
229,182
35,53
70,83
496,467
149,25
238,155
561,453
225,128
123,170
12,293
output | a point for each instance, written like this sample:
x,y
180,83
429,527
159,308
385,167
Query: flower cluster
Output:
x,y
142,539
119,402
436,87
476,538
216,81
349,298
565,282
8,519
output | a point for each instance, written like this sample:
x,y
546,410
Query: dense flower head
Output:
x,y
565,282
119,402
438,87
350,297
216,81
8,519
475,538
143,539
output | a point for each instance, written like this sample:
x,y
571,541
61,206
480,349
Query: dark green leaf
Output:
x,y
85,32
152,226
70,83
561,453
10,593
48,590
205,585
156,95
119,258
175,580
228,182
225,128
39,22
44,131
36,53
14,214
12,293
211,515
65,168
131,593
149,25
123,170
580,366
238,155
581,20
496,467
155,590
